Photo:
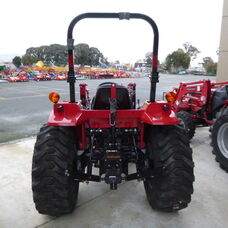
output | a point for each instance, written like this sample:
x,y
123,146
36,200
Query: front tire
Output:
x,y
185,120
54,189
170,158
220,139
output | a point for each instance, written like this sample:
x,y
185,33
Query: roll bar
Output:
x,y
120,16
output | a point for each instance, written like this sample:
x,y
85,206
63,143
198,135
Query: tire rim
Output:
x,y
223,139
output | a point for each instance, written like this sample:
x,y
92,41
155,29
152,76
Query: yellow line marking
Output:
x,y
26,90
22,97
29,96
52,88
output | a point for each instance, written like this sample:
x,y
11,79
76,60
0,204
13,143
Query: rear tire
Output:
x,y
219,137
187,123
170,157
54,189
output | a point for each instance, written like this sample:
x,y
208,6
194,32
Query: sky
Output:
x,y
29,23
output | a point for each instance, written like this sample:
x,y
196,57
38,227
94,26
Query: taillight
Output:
x,y
54,97
170,96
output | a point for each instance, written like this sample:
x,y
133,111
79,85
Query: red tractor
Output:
x,y
23,77
108,135
219,136
39,77
197,103
13,78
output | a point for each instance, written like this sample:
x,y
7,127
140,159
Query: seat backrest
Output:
x,y
101,99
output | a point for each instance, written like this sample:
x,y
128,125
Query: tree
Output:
x,y
211,68
81,53
17,61
148,58
209,65
95,56
28,60
177,61
56,54
206,60
86,55
191,50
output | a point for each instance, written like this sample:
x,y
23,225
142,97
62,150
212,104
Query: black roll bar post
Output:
x,y
120,16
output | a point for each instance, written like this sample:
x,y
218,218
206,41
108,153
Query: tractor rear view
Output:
x,y
110,134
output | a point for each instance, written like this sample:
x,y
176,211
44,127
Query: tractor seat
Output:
x,y
101,99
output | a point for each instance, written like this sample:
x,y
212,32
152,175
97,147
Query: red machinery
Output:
x,y
42,77
105,74
47,77
198,102
60,77
109,134
13,79
23,77
20,77
39,77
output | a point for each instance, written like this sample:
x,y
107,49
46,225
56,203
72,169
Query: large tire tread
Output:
x,y
172,185
54,192
223,161
189,124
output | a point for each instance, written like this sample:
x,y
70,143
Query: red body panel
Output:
x,y
71,114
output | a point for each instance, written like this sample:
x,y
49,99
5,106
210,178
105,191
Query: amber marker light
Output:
x,y
170,96
54,97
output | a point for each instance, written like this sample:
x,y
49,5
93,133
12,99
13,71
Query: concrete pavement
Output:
x,y
125,207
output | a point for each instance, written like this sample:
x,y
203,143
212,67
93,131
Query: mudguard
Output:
x,y
72,114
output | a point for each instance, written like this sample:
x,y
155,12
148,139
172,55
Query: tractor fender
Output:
x,y
159,113
65,114
71,114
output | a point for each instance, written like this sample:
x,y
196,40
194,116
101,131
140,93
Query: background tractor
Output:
x,y
197,103
109,135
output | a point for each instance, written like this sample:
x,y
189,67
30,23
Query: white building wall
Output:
x,y
222,71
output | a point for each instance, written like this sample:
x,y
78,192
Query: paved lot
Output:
x,y
125,207
25,106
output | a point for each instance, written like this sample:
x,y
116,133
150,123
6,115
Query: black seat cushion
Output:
x,y
101,99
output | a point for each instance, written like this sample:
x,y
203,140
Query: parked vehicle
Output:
x,y
60,77
23,77
39,77
109,134
13,79
104,74
197,103
47,77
